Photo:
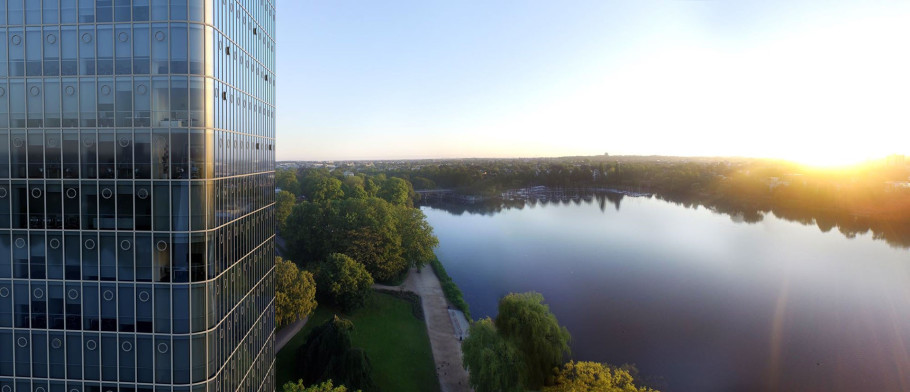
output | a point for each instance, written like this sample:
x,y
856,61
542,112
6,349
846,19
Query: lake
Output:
x,y
698,301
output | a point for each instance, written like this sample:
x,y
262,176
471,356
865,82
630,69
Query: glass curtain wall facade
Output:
x,y
136,195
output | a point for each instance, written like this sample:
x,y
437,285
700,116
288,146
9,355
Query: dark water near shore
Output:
x,y
694,298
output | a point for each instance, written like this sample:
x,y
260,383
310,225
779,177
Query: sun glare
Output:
x,y
828,160
828,98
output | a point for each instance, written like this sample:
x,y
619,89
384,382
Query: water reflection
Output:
x,y
687,294
895,233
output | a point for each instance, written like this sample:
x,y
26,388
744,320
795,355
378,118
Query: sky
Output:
x,y
819,82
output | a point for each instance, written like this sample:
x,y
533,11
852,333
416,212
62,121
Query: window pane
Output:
x,y
141,49
123,50
86,48
51,50
179,48
144,259
159,49
124,153
50,11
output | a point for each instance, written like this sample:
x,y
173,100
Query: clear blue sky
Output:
x,y
817,81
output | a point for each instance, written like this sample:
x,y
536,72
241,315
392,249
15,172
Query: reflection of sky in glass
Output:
x,y
689,295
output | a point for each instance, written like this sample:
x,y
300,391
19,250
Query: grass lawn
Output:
x,y
395,341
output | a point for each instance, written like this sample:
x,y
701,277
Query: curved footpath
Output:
x,y
443,341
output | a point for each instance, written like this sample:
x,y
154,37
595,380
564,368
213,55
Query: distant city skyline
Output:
x,y
816,82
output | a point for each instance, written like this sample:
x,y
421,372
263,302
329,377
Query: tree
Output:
x,y
286,180
323,387
352,186
423,183
527,322
327,354
284,203
308,237
417,239
385,238
396,191
594,377
295,292
320,188
494,364
365,230
344,282
371,186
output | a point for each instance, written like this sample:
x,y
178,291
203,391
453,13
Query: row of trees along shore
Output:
x,y
872,197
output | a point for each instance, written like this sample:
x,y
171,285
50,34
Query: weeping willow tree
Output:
x,y
327,355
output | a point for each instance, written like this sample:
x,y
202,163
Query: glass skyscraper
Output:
x,y
136,195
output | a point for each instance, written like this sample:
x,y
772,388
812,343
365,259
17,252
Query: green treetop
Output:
x,y
295,292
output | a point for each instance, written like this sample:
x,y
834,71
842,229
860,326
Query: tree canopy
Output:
x,y
344,282
326,386
286,180
593,377
519,350
525,320
397,191
322,188
417,239
353,187
327,355
284,203
295,292
385,238
494,364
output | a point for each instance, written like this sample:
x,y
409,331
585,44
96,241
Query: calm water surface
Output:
x,y
693,297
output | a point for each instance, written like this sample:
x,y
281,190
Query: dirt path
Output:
x,y
446,347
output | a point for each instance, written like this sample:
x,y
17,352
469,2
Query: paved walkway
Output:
x,y
460,322
446,347
284,335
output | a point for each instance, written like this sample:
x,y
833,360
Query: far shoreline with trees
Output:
x,y
872,197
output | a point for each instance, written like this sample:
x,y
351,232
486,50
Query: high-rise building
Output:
x,y
136,195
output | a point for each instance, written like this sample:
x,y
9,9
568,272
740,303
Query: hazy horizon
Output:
x,y
706,157
816,82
